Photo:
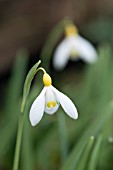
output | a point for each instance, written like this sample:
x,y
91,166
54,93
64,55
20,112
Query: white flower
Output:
x,y
73,47
48,101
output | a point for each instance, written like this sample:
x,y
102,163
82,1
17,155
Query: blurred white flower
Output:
x,y
49,100
73,47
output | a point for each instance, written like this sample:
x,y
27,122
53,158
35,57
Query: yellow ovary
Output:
x,y
51,104
71,30
47,79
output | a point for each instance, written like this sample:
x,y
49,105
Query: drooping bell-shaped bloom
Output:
x,y
73,47
49,101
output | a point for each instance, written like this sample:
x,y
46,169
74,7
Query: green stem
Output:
x,y
18,143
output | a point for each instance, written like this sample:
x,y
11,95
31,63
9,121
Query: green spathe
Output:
x,y
27,84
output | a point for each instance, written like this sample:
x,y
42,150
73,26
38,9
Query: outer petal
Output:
x,y
61,55
66,104
37,108
85,49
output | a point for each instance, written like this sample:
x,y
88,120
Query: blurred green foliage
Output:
x,y
58,142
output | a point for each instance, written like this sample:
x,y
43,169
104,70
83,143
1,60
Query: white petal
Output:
x,y
66,104
61,55
50,97
85,49
37,108
51,110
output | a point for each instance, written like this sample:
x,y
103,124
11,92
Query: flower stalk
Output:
x,y
18,142
26,90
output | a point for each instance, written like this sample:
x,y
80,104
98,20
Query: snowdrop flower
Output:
x,y
49,100
73,47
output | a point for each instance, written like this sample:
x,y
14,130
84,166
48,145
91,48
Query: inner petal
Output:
x,y
51,102
50,98
74,54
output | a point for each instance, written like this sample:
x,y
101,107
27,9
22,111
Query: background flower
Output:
x,y
73,47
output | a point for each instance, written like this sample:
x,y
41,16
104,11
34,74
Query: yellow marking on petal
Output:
x,y
71,30
47,79
51,104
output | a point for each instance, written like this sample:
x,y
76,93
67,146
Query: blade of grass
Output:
x,y
16,81
84,158
95,154
12,98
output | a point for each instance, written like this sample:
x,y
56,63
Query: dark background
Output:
x,y
27,23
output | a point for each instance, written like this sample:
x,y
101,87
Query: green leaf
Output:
x,y
95,154
85,154
27,84
15,83
72,160
102,27
12,104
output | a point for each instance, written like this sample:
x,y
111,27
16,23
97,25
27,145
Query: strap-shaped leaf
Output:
x,y
15,83
72,160
84,158
95,154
